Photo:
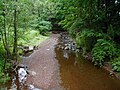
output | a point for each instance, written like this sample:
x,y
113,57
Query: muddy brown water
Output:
x,y
78,73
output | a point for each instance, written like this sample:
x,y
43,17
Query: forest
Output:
x,y
92,24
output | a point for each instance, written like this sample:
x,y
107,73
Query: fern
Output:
x,y
116,65
86,40
102,51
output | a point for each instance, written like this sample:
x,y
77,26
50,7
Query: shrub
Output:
x,y
31,38
102,51
116,62
116,65
2,50
72,33
43,27
86,40
4,77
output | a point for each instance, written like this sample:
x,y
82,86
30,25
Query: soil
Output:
x,y
43,67
108,67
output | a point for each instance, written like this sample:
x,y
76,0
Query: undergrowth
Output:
x,y
4,77
116,62
31,38
103,50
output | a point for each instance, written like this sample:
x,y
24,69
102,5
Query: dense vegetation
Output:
x,y
22,22
94,24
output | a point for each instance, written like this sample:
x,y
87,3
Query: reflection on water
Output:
x,y
65,54
78,73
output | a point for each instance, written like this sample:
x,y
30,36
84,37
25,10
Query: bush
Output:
x,y
31,38
3,76
43,27
76,26
72,33
102,51
86,40
116,65
116,62
2,50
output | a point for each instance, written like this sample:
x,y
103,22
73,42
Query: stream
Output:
x,y
77,73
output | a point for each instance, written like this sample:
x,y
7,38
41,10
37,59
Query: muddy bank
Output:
x,y
108,68
43,67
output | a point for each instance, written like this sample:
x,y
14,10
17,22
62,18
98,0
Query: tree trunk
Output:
x,y
15,35
4,38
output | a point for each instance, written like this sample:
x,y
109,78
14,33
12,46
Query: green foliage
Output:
x,y
102,16
111,32
2,51
43,27
116,64
86,40
42,12
31,38
67,22
102,51
72,33
14,30
4,77
75,27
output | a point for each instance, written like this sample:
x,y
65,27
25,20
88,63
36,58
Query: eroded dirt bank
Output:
x,y
44,67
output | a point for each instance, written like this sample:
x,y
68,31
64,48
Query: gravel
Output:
x,y
45,72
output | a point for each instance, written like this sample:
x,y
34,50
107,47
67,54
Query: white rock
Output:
x,y
48,49
22,74
66,48
11,89
31,48
33,73
37,89
31,87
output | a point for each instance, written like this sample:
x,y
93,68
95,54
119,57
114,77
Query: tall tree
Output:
x,y
15,50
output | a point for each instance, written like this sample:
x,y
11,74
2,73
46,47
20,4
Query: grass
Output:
x,y
31,38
